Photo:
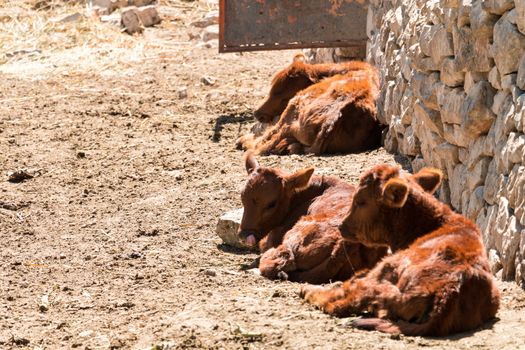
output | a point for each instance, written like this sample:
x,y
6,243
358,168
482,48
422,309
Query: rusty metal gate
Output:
x,y
252,25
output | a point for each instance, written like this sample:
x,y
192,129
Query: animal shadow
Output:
x,y
237,118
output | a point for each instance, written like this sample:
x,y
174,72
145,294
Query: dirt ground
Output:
x,y
112,243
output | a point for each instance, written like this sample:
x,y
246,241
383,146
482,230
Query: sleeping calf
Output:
x,y
296,77
336,115
437,281
274,200
313,250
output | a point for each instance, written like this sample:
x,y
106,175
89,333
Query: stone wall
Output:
x,y
453,75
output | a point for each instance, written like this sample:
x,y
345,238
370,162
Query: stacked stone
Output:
x,y
453,81
335,54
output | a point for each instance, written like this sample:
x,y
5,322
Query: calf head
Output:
x,y
381,195
285,85
266,198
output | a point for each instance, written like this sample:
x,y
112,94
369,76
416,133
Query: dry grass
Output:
x,y
25,30
31,31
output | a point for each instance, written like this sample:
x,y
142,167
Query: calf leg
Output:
x,y
275,261
321,273
325,271
245,142
288,145
356,296
274,139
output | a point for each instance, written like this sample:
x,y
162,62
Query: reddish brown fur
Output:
x,y
336,115
313,250
296,77
274,200
438,281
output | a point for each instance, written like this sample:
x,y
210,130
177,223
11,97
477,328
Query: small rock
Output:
x,y
81,154
134,20
210,18
210,33
210,273
278,294
125,304
19,176
85,334
19,341
148,233
207,81
110,5
10,206
182,93
69,18
114,18
135,255
140,3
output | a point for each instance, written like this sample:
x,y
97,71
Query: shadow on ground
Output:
x,y
238,118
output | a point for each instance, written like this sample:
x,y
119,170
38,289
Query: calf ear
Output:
x,y
250,162
299,180
298,58
429,179
395,193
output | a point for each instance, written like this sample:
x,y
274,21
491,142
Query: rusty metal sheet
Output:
x,y
252,25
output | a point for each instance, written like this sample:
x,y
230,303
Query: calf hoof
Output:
x,y
283,276
239,144
307,291
245,142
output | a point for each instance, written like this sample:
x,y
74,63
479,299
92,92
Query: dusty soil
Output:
x,y
112,243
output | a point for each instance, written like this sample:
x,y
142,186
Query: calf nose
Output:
x,y
248,237
347,233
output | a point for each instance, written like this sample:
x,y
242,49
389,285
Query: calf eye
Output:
x,y
360,203
271,205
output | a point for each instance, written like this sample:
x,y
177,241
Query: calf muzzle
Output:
x,y
248,237
347,234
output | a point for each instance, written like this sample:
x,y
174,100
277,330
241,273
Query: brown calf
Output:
x,y
438,281
274,200
296,77
336,115
313,250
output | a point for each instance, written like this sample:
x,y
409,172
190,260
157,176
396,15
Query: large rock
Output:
x,y
476,114
471,52
457,185
228,226
425,88
450,18
471,78
450,102
475,203
451,75
481,21
508,46
497,7
135,19
520,15
477,174
440,44
495,78
429,117
456,135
